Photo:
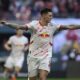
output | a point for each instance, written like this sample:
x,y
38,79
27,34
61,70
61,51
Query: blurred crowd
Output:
x,y
27,10
67,44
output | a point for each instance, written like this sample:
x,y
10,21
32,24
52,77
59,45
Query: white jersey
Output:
x,y
17,44
41,39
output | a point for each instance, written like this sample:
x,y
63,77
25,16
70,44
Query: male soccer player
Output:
x,y
40,48
17,44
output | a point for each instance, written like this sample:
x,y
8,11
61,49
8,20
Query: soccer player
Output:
x,y
40,47
17,44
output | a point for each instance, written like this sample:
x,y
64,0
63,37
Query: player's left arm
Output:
x,y
26,48
26,45
71,27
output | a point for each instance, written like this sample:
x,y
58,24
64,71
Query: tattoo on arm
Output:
x,y
71,27
16,26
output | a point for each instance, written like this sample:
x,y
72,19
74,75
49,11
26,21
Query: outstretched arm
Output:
x,y
13,25
71,27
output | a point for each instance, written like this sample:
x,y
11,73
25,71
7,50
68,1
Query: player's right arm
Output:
x,y
13,25
7,45
17,26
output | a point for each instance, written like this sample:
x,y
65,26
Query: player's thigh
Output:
x,y
9,63
32,64
18,64
43,74
17,69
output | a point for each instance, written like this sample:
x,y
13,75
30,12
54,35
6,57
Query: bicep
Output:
x,y
70,27
7,44
57,27
63,27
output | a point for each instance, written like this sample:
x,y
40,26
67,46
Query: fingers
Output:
x,y
2,22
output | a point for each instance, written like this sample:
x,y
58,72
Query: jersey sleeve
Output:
x,y
26,41
10,40
55,26
58,26
31,24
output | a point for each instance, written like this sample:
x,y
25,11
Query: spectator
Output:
x,y
60,8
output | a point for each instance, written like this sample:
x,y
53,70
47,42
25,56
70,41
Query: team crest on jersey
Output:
x,y
44,35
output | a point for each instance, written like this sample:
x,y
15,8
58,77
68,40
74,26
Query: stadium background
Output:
x,y
66,50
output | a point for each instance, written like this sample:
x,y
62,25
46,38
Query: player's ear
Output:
x,y
42,15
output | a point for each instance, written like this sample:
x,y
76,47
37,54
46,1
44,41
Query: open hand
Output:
x,y
2,22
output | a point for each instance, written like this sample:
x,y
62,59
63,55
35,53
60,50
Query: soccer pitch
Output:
x,y
57,79
49,79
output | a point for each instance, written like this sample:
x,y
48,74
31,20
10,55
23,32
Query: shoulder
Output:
x,y
13,37
54,25
25,38
34,22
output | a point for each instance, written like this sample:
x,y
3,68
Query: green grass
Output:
x,y
49,79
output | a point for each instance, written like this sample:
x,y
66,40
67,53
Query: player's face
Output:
x,y
19,32
48,16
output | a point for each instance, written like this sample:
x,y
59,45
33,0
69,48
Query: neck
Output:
x,y
43,22
18,35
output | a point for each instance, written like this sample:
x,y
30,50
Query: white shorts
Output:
x,y
14,62
34,64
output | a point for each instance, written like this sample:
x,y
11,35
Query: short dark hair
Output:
x,y
45,11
